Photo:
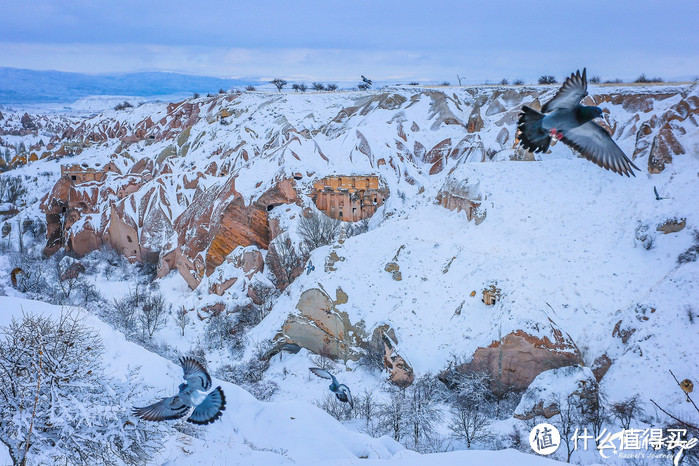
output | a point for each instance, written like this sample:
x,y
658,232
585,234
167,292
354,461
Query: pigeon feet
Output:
x,y
555,134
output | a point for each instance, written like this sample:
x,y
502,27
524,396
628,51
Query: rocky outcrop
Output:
x,y
218,221
462,196
672,225
518,358
321,327
400,372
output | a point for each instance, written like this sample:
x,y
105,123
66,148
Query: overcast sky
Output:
x,y
307,40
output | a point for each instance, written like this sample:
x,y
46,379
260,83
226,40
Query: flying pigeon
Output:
x,y
192,399
367,80
341,391
564,118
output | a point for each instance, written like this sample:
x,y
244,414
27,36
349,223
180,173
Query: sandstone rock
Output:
x,y
401,374
475,122
218,221
665,146
322,328
672,225
516,360
460,196
600,366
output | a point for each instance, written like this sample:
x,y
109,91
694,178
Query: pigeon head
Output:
x,y
586,113
182,386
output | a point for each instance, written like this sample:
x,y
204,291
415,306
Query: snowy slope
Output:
x,y
250,432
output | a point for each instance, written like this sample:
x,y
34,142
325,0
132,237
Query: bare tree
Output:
x,y
469,403
318,230
153,314
284,260
318,87
279,83
331,87
182,319
547,79
362,86
392,414
367,409
627,410
423,413
250,88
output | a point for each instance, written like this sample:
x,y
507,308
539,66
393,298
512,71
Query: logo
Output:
x,y
544,439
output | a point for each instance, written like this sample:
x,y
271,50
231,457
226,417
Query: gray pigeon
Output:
x,y
367,80
341,391
192,399
564,118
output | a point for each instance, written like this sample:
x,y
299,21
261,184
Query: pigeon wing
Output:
x,y
322,373
595,144
210,409
195,374
570,94
164,410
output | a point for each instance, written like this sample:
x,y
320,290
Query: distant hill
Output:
x,y
30,86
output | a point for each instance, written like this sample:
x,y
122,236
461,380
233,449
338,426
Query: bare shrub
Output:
x,y
331,87
334,407
154,314
626,411
323,360
11,188
318,230
250,88
518,82
362,86
547,79
318,86
595,80
123,106
691,254
504,82
357,228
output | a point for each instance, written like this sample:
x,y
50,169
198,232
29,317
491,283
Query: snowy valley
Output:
x,y
477,290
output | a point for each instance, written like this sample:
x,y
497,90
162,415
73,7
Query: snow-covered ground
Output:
x,y
250,432
559,237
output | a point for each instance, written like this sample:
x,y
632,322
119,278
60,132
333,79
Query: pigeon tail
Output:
x,y
533,136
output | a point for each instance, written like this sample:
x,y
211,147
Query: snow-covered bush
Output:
x,y
56,402
334,407
11,189
139,309
692,253
317,230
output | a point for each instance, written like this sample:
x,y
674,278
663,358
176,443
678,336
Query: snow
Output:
x,y
250,431
558,237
